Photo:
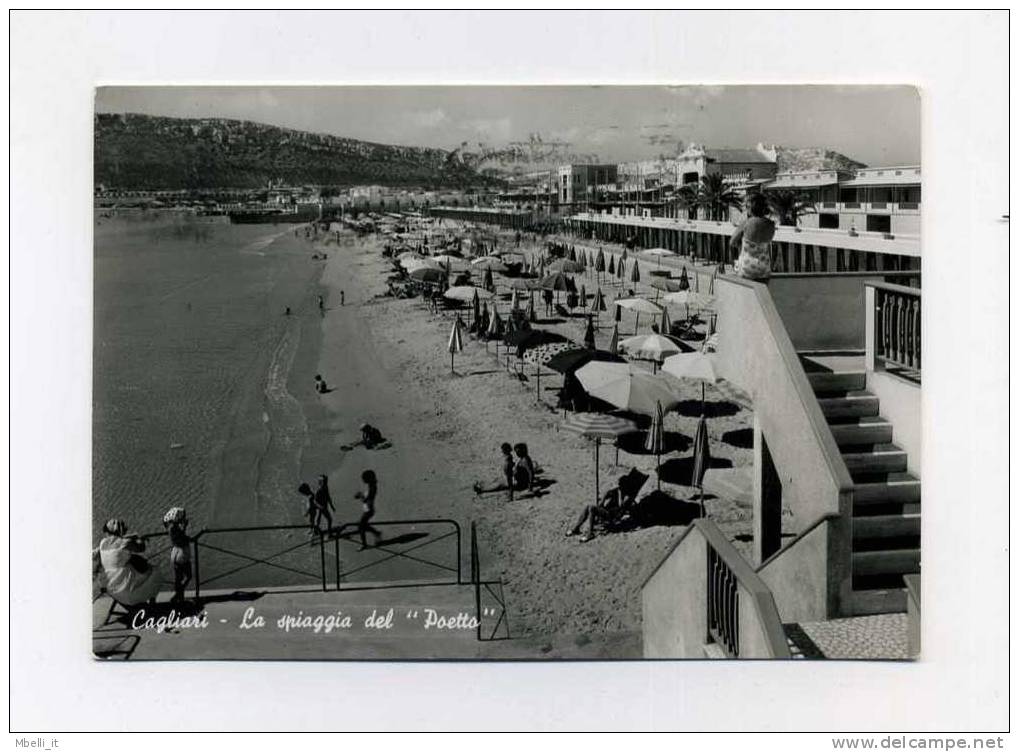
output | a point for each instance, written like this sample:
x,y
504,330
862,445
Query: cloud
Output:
x,y
428,118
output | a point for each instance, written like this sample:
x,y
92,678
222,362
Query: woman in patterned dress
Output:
x,y
753,239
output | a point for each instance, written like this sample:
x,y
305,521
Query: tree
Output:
x,y
686,198
789,205
717,197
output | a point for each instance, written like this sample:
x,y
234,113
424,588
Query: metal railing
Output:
x,y
291,562
486,588
897,315
723,604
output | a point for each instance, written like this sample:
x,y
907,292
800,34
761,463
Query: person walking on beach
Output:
x,y
367,499
321,304
342,297
323,504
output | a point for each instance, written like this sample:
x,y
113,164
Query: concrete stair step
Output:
x,y
837,382
868,602
867,430
880,460
850,406
886,526
905,491
896,561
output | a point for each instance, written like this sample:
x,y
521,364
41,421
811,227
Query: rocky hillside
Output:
x,y
795,159
139,152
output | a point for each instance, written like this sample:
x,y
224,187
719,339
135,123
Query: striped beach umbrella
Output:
x,y
589,334
456,341
598,426
655,441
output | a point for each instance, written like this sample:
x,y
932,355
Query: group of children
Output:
x,y
321,507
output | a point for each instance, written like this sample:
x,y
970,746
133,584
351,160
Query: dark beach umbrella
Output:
x,y
495,324
635,274
612,264
583,296
429,275
598,426
701,458
614,341
489,280
558,282
599,261
598,304
527,338
621,268
570,360
589,334
664,283
656,439
573,253
456,343
476,308
684,281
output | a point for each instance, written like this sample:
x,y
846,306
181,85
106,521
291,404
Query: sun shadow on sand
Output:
x,y
679,470
659,509
481,373
741,438
715,409
634,443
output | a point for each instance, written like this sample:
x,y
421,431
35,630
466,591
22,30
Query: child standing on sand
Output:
x,y
367,499
323,503
311,511
176,522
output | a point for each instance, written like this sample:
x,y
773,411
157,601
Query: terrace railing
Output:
x,y
487,592
895,313
723,604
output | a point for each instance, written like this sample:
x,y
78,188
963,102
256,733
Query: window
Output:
x,y
879,223
828,221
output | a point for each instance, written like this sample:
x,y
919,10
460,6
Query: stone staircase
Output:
x,y
886,505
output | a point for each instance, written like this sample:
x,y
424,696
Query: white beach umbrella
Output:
x,y
414,264
466,293
639,305
628,388
695,366
452,263
492,263
649,347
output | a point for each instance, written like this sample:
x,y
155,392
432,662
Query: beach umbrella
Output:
x,y
573,253
684,280
638,306
570,360
412,265
701,459
521,283
666,326
406,255
489,282
456,343
531,315
621,268
664,283
589,334
475,307
689,299
494,330
599,262
598,304
558,282
489,264
451,263
566,266
583,296
635,273
627,388
525,339
624,256
466,293
694,366
429,275
598,426
655,441
654,347
612,264
657,253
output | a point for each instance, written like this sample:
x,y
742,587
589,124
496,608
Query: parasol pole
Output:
x,y
597,488
702,399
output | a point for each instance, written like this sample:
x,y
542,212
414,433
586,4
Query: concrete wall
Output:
x,y
798,579
821,311
674,602
900,405
756,354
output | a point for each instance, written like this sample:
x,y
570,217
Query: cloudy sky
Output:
x,y
878,125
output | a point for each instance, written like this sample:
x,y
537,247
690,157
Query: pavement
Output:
x,y
879,637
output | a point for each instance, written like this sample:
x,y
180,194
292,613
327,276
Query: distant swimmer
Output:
x,y
287,312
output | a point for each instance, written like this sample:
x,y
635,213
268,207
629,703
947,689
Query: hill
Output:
x,y
143,152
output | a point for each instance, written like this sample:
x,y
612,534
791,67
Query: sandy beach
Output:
x,y
387,364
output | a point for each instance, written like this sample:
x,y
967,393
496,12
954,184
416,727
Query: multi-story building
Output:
x,y
578,184
738,166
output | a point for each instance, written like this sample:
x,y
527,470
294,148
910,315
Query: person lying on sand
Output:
x,y
507,482
371,438
614,505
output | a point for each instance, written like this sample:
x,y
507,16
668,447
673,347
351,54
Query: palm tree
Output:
x,y
686,198
789,205
715,196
